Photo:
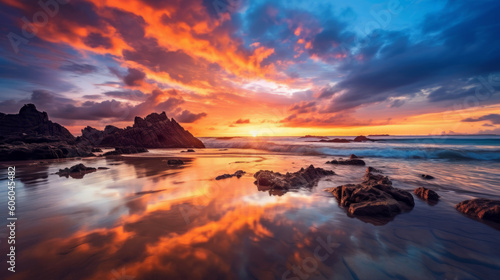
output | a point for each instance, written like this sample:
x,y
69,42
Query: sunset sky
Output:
x,y
263,68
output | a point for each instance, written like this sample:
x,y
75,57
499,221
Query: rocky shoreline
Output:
x,y
30,135
374,200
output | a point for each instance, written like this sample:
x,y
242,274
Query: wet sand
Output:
x,y
145,219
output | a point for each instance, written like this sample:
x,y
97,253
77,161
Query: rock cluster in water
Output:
x,y
236,174
481,208
307,177
76,171
352,160
427,194
374,197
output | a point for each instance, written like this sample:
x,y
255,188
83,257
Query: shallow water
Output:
x,y
195,227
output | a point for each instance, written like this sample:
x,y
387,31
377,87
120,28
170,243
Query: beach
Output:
x,y
145,219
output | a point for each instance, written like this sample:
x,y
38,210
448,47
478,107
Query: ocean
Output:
x,y
145,219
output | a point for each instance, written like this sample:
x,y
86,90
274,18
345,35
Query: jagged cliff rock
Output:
x,y
31,124
30,135
154,131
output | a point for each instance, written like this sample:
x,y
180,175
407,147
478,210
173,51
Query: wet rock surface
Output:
x,y
426,177
375,197
126,151
236,174
352,160
175,162
481,208
427,194
76,171
308,177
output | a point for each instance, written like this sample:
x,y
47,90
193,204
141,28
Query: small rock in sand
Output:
x,y
237,174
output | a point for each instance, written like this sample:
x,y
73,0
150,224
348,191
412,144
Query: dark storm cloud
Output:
x,y
460,49
134,77
493,118
81,69
133,95
95,40
67,109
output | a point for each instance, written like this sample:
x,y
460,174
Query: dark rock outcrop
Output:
x,y
313,136
482,209
336,140
426,176
307,177
126,151
363,139
427,194
188,151
76,171
30,135
96,150
32,124
374,197
342,140
237,174
175,162
350,161
154,131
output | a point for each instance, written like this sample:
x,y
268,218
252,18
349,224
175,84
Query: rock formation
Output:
x,y
426,176
342,140
483,209
30,135
126,151
308,177
236,174
427,194
353,160
32,126
363,139
374,197
175,162
154,131
76,171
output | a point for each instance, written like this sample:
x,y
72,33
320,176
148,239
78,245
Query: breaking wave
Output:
x,y
375,149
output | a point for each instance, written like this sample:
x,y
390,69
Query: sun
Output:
x,y
253,133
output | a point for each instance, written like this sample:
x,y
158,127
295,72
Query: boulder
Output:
x,y
31,123
76,171
426,194
154,131
37,151
175,162
374,197
362,139
307,177
237,174
126,151
426,176
336,140
353,161
481,208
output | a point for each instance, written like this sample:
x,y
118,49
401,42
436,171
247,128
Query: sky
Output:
x,y
257,68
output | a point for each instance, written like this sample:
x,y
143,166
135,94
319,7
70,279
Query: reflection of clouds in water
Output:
x,y
238,232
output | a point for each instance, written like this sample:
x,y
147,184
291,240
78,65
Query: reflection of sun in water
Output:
x,y
253,133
